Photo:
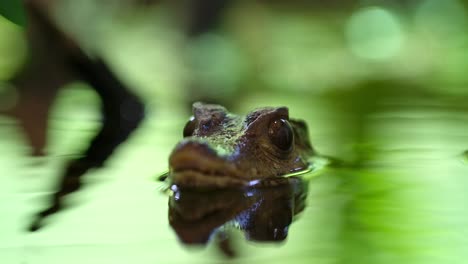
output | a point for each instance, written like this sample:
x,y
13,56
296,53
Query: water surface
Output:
x,y
400,199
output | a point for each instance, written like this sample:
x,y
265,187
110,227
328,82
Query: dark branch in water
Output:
x,y
122,112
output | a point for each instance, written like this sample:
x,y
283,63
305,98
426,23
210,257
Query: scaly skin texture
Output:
x,y
221,149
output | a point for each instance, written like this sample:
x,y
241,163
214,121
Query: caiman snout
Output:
x,y
190,152
194,146
194,162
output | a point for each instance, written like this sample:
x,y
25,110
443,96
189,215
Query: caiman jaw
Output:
x,y
195,164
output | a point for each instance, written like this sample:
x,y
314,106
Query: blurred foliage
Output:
x,y
14,11
259,46
13,49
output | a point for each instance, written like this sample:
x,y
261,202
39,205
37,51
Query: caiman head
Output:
x,y
221,149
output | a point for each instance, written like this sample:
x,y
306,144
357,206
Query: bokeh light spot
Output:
x,y
374,33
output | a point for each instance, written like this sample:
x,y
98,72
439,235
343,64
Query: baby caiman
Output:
x,y
221,149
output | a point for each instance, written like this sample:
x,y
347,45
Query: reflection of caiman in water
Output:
x,y
263,213
230,169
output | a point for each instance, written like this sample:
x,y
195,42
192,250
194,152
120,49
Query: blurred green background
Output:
x,y
381,84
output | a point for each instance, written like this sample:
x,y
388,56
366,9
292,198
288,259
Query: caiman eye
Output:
x,y
281,134
190,127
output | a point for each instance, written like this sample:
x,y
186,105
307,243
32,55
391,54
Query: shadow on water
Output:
x,y
264,213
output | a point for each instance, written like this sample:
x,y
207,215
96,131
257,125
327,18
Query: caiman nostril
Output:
x,y
195,146
196,156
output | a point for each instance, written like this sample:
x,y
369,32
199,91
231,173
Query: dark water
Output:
x,y
401,198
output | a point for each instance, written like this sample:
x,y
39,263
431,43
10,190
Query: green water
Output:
x,y
401,198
